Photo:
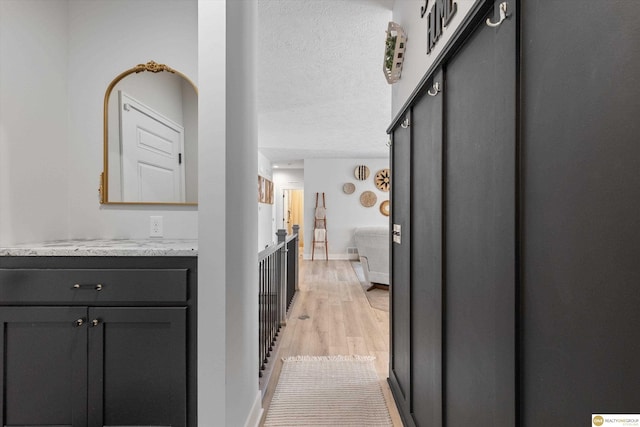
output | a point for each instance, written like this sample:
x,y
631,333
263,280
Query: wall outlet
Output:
x,y
155,226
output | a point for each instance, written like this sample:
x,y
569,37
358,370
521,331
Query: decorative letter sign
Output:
x,y
438,18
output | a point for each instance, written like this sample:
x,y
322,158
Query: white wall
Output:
x,y
243,397
58,57
344,211
33,121
266,211
106,38
416,61
228,393
212,273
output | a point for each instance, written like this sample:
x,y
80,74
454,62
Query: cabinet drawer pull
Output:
x,y
95,322
79,322
97,287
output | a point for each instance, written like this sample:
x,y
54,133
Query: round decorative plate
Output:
x,y
383,179
361,173
368,199
349,188
384,208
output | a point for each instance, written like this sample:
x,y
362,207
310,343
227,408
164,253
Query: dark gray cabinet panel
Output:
x,y
480,237
581,224
400,290
43,367
138,367
426,263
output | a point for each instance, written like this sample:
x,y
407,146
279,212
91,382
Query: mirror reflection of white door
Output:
x,y
152,166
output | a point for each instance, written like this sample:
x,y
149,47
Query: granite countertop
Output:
x,y
113,247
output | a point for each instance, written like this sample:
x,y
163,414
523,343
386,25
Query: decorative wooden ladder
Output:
x,y
320,228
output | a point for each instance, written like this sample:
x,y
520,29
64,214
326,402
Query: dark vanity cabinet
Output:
x,y
96,341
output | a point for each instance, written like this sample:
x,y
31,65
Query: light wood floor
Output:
x,y
340,322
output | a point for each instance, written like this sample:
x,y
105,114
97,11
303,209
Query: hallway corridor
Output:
x,y
331,315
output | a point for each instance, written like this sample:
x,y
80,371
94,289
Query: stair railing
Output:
x,y
278,282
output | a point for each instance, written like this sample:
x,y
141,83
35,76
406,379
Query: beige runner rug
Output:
x,y
328,391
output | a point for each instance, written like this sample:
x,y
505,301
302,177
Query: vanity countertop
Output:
x,y
112,247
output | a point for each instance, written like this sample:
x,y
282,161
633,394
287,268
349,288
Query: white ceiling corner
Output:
x,y
321,89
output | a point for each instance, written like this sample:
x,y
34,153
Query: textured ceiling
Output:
x,y
321,89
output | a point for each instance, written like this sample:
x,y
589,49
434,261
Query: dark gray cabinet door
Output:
x,y
480,230
137,366
43,372
400,357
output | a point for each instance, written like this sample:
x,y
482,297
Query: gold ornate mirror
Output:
x,y
150,138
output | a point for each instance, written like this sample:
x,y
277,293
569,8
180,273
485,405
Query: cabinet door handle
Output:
x,y
95,322
79,322
97,287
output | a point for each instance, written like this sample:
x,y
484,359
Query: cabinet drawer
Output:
x,y
93,285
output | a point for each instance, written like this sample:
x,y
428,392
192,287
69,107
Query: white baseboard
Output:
x,y
253,420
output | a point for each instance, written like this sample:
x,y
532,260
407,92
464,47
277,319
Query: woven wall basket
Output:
x,y
349,188
361,173
368,199
384,208
383,180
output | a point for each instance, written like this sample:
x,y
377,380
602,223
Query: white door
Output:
x,y
151,154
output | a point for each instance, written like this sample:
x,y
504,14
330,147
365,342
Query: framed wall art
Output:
x,y
265,190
